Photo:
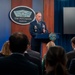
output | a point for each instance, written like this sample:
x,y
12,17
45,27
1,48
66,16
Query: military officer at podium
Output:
x,y
37,27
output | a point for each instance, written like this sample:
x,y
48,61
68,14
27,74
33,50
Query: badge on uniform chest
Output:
x,y
35,28
43,26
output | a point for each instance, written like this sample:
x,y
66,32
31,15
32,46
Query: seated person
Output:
x,y
5,51
34,57
56,61
49,44
33,53
71,54
16,63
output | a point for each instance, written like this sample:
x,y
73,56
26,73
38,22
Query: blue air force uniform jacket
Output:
x,y
36,28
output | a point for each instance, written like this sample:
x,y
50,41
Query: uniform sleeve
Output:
x,y
31,30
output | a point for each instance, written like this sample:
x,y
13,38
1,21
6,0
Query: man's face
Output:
x,y
39,17
73,45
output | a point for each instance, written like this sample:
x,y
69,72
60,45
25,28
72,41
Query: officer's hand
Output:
x,y
44,30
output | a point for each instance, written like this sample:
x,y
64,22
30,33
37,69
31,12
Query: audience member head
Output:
x,y
56,61
18,42
5,49
50,44
73,42
38,16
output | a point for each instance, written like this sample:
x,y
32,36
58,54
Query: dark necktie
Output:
x,y
39,23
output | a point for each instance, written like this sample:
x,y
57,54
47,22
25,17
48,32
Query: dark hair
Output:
x,y
18,42
38,12
73,40
56,58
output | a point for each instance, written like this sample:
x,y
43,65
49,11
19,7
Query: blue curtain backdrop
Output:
x,y
5,23
64,39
